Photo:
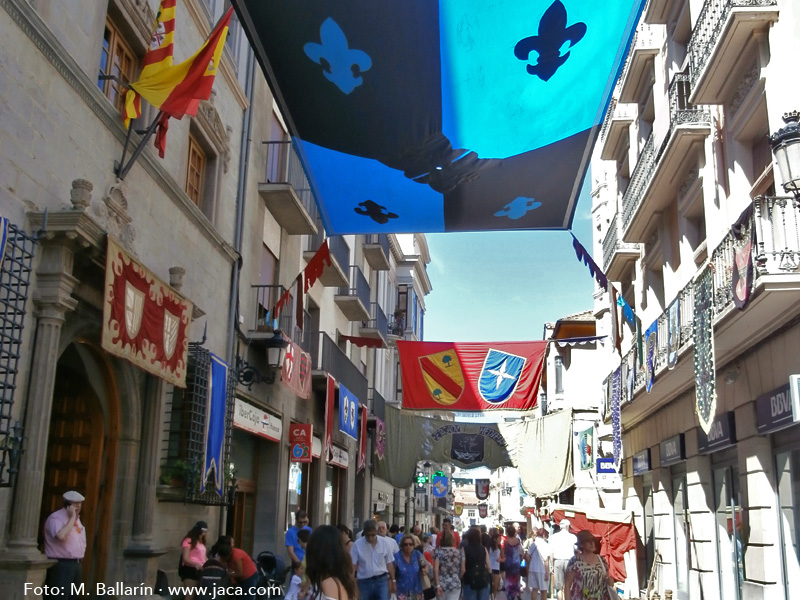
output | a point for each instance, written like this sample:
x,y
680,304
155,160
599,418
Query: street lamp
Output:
x,y
786,147
248,375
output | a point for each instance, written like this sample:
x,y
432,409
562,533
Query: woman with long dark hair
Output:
x,y
511,558
328,567
494,560
193,556
239,564
476,569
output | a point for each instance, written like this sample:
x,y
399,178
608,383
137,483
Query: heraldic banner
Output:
x,y
296,370
704,364
145,321
471,376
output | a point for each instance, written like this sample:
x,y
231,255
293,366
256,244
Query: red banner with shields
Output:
x,y
296,370
362,441
471,376
300,439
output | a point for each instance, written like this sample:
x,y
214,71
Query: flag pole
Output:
x,y
122,170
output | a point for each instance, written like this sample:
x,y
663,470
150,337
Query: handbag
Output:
x,y
428,591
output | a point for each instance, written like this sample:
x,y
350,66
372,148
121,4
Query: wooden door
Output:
x,y
241,520
75,449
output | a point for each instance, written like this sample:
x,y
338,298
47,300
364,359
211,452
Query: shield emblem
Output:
x,y
134,307
171,323
443,376
439,486
482,488
353,416
458,508
288,363
483,510
380,439
499,376
305,368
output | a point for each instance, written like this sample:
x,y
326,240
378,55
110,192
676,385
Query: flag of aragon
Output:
x,y
471,376
176,90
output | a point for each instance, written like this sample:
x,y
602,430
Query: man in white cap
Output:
x,y
65,541
562,544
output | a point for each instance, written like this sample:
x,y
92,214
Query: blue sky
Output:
x,y
504,286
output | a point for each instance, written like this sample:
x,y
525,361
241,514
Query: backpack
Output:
x,y
476,575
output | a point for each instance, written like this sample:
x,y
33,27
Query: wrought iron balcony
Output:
x,y
646,44
665,167
376,251
377,404
721,34
327,357
616,253
286,190
353,300
639,180
613,135
397,326
776,258
263,320
376,326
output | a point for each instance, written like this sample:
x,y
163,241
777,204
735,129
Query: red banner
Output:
x,y
362,442
330,397
471,376
144,320
300,441
296,371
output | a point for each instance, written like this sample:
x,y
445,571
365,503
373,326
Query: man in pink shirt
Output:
x,y
65,541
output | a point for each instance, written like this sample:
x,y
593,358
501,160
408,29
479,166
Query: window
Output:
x,y
788,472
730,546
118,60
471,514
195,173
682,535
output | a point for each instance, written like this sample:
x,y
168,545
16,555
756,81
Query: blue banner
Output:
x,y
215,423
439,486
348,413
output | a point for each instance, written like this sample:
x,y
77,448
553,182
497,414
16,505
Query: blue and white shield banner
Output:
x,y
215,423
348,412
439,486
500,375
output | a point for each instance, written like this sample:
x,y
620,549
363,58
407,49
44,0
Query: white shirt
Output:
x,y
563,544
544,549
371,561
294,588
393,544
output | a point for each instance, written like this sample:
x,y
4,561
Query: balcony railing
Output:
x,y
328,357
397,326
642,173
340,251
607,120
359,287
708,28
680,109
776,251
284,166
377,404
266,297
377,319
613,243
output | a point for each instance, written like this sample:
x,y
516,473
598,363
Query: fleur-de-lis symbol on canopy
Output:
x,y
340,64
553,33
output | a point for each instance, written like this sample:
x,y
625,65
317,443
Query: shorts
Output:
x,y
536,581
559,569
495,571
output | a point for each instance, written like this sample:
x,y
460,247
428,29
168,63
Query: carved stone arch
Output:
x,y
214,129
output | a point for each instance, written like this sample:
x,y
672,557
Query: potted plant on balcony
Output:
x,y
174,473
399,323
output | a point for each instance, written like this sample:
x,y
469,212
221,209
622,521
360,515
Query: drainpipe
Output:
x,y
241,194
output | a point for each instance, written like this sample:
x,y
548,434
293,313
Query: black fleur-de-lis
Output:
x,y
553,33
375,211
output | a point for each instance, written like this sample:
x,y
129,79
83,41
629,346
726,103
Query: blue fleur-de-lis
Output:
x,y
340,64
518,208
553,34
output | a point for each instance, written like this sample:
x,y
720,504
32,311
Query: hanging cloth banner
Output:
x,y
651,340
411,439
363,342
586,448
482,489
483,510
629,374
639,344
362,440
215,424
616,334
296,370
348,412
316,265
627,311
673,333
704,363
550,440
145,321
586,258
458,508
380,438
330,397
742,275
462,131
616,417
471,376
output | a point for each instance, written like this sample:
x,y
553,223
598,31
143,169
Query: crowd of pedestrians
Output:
x,y
390,563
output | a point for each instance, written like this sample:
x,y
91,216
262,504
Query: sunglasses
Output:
x,y
408,544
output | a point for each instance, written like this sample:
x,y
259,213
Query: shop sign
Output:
x,y
605,465
380,507
316,447
340,458
672,450
383,497
253,419
300,442
641,462
607,475
779,408
721,434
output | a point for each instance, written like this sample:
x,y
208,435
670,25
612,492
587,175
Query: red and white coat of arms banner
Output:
x,y
145,321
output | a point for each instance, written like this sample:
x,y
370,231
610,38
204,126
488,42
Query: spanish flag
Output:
x,y
157,57
175,90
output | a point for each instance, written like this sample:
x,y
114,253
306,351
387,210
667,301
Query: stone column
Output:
x,y
52,300
147,477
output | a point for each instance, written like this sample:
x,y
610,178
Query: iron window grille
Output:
x,y
15,275
184,453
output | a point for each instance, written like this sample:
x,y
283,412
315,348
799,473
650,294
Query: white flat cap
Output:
x,y
73,496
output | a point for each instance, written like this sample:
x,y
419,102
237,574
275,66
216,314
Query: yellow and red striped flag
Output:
x,y
175,90
157,57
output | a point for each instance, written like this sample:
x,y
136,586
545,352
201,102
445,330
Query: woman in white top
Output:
x,y
328,567
494,561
